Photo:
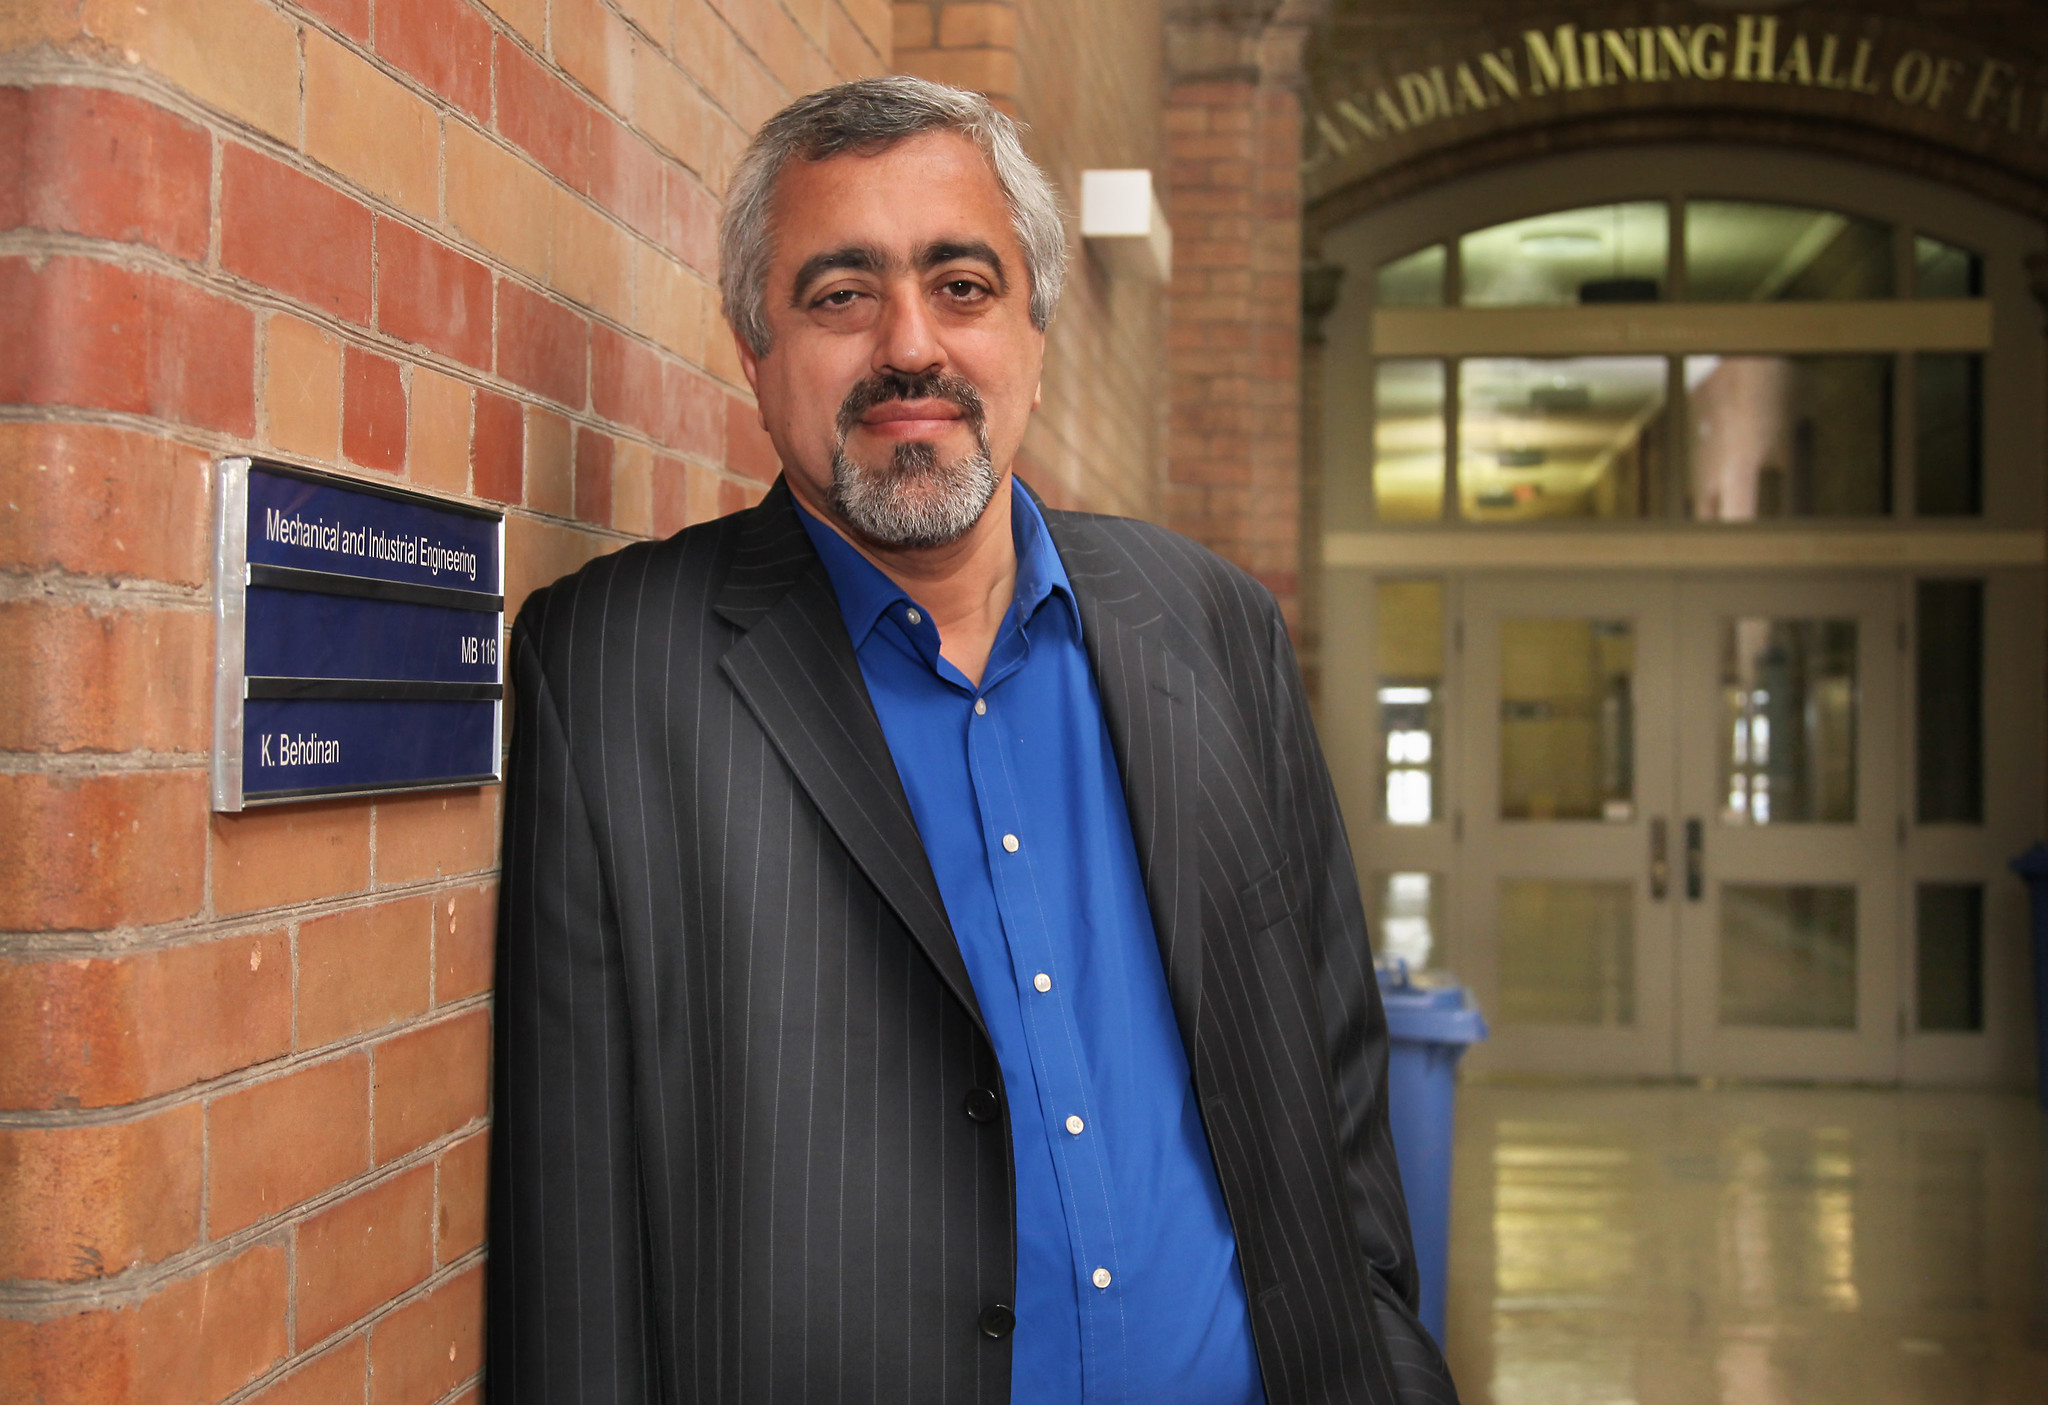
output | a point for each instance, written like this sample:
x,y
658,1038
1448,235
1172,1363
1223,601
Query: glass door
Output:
x,y
1789,829
1567,912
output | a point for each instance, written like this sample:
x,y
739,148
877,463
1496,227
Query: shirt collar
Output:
x,y
864,592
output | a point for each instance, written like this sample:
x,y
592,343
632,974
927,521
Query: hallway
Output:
x,y
1673,1245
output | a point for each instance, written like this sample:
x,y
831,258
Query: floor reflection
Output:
x,y
1676,1246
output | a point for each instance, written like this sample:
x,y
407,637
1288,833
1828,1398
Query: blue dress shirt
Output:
x,y
1128,1287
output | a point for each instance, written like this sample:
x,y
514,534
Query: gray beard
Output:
x,y
916,501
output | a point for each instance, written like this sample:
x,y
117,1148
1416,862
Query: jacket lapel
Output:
x,y
1152,706
795,669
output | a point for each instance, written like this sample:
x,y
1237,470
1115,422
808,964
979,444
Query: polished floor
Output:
x,y
1678,1245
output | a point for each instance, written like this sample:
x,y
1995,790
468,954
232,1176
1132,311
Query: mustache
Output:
x,y
922,385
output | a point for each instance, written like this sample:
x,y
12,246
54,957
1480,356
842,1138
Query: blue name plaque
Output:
x,y
360,638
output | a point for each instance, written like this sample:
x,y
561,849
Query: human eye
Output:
x,y
964,291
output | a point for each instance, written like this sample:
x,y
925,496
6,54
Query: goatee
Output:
x,y
917,499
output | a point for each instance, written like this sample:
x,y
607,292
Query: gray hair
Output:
x,y
867,117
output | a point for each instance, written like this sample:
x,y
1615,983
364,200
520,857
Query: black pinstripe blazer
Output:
x,y
735,1032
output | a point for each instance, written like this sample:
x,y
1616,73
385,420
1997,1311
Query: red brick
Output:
x,y
542,345
550,468
87,1202
372,411
337,1376
286,230
431,1345
351,17
695,411
690,221
748,450
94,1032
445,44
625,381
671,495
593,477
86,852
734,497
465,941
497,456
199,1340
278,1143
626,176
363,969
365,1251
108,338
436,834
266,858
430,1081
540,113
105,502
105,165
76,678
430,294
463,1197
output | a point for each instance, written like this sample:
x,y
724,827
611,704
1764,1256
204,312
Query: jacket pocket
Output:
x,y
1271,898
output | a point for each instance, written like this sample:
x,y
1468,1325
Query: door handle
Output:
x,y
1660,860
1695,860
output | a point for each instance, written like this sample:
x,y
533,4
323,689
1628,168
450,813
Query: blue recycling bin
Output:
x,y
2033,866
1430,1028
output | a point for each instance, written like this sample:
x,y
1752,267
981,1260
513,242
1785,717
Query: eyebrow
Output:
x,y
948,250
851,258
865,258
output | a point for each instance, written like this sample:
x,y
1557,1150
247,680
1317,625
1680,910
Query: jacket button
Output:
x,y
982,1106
997,1320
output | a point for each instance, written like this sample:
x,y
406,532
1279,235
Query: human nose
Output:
x,y
907,337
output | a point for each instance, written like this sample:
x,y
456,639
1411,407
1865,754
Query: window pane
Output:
x,y
1409,912
1949,672
1576,436
1788,956
1788,721
1948,437
1945,271
1603,253
1408,441
1414,281
1789,436
1567,953
1736,251
1409,622
1951,957
1567,719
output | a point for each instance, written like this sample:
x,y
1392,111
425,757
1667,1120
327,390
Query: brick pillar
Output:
x,y
1234,197
244,1058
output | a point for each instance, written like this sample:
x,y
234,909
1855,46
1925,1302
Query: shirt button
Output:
x,y
1041,982
1100,1278
913,616
1010,842
981,707
1074,1125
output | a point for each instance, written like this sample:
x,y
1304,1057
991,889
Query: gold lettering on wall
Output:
x,y
1750,49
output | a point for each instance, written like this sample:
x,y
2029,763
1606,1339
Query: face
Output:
x,y
902,364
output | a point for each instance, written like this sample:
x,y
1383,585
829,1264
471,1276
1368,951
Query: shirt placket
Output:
x,y
1047,1013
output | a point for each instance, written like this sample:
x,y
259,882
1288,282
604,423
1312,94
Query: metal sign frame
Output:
x,y
235,575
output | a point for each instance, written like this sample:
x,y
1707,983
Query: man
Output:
x,y
932,967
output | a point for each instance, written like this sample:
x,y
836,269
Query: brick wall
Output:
x,y
1233,439
243,1059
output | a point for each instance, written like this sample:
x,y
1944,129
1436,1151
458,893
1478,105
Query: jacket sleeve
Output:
x,y
1354,1036
566,1253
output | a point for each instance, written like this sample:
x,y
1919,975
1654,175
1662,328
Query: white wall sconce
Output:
x,y
1122,221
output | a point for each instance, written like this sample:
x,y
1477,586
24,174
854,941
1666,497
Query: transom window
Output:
x,y
1698,359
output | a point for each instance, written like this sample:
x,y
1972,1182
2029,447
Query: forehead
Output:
x,y
926,189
